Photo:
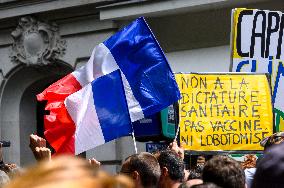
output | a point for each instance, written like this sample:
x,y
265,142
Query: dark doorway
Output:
x,y
32,112
40,113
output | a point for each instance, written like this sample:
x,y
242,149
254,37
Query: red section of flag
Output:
x,y
59,127
60,89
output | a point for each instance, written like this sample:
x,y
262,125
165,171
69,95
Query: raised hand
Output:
x,y
39,149
36,141
42,153
178,150
93,162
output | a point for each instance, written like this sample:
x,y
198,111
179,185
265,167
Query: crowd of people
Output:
x,y
162,169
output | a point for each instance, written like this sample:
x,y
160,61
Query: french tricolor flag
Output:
x,y
147,79
100,112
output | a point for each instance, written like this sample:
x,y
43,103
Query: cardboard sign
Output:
x,y
258,46
224,112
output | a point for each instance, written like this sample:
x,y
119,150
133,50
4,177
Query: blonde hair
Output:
x,y
66,172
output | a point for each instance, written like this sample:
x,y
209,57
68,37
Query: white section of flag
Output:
x,y
101,63
88,130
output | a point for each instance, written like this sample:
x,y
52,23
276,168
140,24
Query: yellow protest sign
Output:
x,y
224,111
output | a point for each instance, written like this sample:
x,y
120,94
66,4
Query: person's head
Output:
x,y
61,171
172,168
65,172
196,173
119,181
205,185
4,178
224,171
143,168
249,162
201,160
190,183
270,169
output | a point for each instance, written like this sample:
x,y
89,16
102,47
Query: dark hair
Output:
x,y
270,169
147,166
173,163
196,173
206,185
225,172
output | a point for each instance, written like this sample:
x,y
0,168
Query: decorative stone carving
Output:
x,y
36,43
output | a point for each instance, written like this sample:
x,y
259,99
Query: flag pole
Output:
x,y
134,140
177,133
133,135
178,129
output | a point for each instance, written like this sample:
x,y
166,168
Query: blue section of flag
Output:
x,y
145,66
111,106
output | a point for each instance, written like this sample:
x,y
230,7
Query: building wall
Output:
x,y
213,59
21,83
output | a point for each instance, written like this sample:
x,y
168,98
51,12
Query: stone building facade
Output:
x,y
43,40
